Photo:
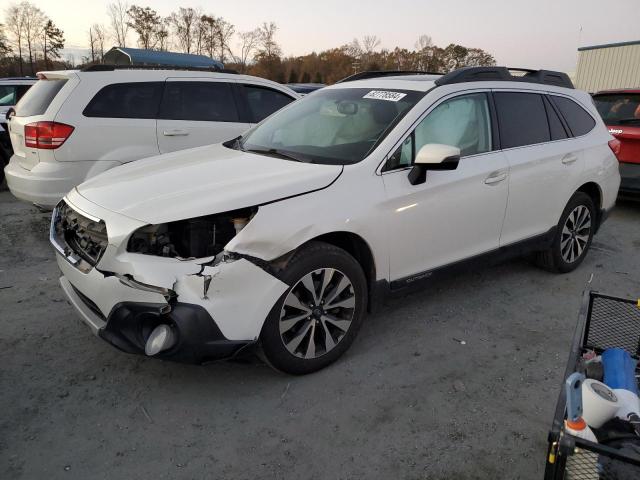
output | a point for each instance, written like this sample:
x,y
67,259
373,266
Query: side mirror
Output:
x,y
433,156
10,113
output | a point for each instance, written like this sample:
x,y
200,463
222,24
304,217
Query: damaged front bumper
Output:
x,y
213,309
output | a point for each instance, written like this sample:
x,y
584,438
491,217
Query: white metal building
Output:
x,y
609,66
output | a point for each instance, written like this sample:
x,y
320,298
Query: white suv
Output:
x,y
73,125
289,234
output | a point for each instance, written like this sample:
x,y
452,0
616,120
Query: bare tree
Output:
x,y
185,26
4,43
268,46
208,33
118,17
370,43
14,17
424,41
162,35
225,32
34,23
354,49
93,41
100,34
249,41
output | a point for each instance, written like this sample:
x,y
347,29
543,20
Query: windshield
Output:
x,y
619,108
333,126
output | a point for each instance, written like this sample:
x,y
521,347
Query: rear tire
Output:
x,y
573,236
317,319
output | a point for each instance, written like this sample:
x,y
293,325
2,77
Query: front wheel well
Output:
x,y
358,248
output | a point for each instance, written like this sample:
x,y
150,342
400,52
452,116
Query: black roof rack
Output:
x,y
479,74
110,68
383,73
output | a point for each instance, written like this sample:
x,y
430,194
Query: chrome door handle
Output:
x,y
569,159
495,177
175,133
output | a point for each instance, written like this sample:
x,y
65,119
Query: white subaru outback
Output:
x,y
286,236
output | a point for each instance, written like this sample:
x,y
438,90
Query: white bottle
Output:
x,y
583,464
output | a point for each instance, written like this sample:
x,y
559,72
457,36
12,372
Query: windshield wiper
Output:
x,y
629,120
274,152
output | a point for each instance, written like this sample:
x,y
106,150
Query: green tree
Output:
x,y
146,23
317,78
293,76
53,42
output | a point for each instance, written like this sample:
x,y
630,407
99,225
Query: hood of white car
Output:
x,y
202,181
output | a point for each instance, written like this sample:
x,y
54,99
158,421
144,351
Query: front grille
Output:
x,y
75,233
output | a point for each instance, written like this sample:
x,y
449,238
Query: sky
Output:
x,y
518,33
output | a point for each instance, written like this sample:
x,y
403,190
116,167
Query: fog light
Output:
x,y
161,338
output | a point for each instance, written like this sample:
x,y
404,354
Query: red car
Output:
x,y
620,110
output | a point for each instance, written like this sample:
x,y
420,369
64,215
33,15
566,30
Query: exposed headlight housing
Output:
x,y
198,237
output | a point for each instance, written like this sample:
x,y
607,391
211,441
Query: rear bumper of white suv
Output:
x,y
47,182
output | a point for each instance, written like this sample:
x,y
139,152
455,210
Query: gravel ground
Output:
x,y
457,382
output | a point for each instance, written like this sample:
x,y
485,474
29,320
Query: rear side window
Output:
x,y
579,121
619,108
522,119
199,101
555,124
39,97
126,100
264,101
22,89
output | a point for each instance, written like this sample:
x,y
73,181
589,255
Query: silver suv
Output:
x,y
12,89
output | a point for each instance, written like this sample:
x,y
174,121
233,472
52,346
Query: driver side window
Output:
x,y
462,122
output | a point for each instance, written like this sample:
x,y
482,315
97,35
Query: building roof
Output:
x,y
139,56
609,45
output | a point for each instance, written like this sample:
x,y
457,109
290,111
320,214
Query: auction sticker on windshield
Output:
x,y
384,95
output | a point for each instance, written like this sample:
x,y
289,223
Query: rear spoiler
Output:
x,y
57,75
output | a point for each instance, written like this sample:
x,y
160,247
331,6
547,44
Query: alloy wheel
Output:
x,y
575,234
317,313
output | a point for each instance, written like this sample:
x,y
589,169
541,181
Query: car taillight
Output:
x,y
615,145
46,135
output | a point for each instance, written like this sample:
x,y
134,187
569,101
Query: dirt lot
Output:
x,y
409,400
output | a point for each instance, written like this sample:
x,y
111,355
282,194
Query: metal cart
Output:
x,y
604,322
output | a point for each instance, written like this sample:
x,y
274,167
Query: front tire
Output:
x,y
317,319
573,236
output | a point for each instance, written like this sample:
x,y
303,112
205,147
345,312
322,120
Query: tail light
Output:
x,y
615,145
46,135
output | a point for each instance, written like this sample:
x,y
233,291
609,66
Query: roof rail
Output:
x,y
384,73
503,74
110,68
